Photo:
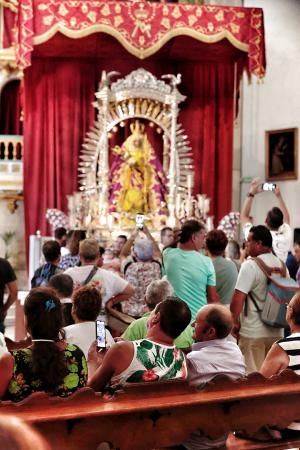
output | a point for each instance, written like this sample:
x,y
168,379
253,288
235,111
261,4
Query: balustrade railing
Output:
x,y
11,147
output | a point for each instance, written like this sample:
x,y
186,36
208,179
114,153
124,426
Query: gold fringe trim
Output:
x,y
140,53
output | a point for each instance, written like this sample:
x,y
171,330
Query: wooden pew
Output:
x,y
118,321
155,415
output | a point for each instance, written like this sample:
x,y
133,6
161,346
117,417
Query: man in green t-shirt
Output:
x,y
191,274
226,271
157,292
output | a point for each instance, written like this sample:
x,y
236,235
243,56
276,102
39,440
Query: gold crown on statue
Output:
x,y
137,128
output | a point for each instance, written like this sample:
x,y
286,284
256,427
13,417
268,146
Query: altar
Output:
x,y
63,48
138,180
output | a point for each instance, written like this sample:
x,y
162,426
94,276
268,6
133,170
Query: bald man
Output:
x,y
215,352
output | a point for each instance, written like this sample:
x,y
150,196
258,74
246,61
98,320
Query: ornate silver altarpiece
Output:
x,y
140,95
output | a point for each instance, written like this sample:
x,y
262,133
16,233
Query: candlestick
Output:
x,y
71,203
206,205
200,202
77,199
210,223
189,181
110,221
90,180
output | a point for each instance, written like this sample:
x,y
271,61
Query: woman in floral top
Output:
x,y
50,364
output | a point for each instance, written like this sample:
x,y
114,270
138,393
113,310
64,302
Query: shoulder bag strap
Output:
x,y
126,267
269,270
159,263
90,276
263,266
254,302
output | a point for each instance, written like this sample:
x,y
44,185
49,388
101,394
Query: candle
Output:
x,y
178,204
189,182
110,221
101,200
103,220
206,205
71,203
87,220
171,221
200,203
90,180
77,199
210,223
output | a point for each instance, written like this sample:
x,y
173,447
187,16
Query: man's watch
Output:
x,y
250,194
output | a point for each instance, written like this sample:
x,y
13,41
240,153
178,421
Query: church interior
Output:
x,y
233,154
111,110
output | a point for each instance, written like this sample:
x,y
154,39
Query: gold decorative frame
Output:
x,y
281,154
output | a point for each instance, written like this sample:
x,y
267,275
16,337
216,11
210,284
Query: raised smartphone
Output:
x,y
139,221
100,334
268,187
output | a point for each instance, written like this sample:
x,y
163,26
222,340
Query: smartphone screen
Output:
x,y
139,220
100,334
268,187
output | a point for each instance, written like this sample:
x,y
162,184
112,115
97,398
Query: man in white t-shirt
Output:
x,y
113,288
277,220
255,338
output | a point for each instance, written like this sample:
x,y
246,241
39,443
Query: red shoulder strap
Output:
x,y
269,270
266,269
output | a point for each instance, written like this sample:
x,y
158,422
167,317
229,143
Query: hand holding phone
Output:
x,y
100,334
268,187
139,221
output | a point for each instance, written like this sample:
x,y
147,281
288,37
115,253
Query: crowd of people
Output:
x,y
195,298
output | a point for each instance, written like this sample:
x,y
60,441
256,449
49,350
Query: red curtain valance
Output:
x,y
141,27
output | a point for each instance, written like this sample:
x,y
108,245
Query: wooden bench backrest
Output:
x,y
145,411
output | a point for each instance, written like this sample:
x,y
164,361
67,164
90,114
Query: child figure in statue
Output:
x,y
137,182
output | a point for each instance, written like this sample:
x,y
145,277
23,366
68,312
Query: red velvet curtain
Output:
x,y
58,112
10,108
207,117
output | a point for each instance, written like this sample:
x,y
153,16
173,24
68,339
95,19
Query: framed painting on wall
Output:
x,y
282,154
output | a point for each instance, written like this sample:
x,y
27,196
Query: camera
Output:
x,y
268,187
139,221
100,334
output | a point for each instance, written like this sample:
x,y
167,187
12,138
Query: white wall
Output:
x,y
274,104
13,223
